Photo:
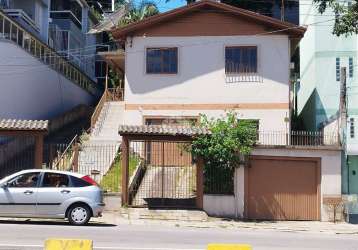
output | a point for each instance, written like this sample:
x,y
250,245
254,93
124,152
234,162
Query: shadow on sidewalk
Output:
x,y
52,222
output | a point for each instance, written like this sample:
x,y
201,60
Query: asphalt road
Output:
x,y
31,235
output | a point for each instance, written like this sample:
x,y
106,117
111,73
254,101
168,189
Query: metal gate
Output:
x,y
162,174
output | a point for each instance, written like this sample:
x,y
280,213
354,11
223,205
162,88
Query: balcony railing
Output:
x,y
297,138
66,14
12,31
18,13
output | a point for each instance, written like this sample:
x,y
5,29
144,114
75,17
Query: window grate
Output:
x,y
338,68
352,134
351,67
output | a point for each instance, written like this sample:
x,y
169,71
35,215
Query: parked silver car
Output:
x,y
50,194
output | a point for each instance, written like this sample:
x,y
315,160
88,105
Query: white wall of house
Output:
x,y
201,78
31,90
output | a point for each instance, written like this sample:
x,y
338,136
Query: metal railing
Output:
x,y
65,14
19,13
65,160
297,138
115,94
10,30
109,95
97,111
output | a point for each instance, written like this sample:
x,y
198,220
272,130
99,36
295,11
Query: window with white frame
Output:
x,y
240,59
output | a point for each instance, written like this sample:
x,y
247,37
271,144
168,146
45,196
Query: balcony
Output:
x,y
298,138
66,14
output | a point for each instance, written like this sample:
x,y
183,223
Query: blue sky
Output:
x,y
171,4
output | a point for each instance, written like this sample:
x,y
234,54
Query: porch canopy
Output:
x,y
159,133
27,128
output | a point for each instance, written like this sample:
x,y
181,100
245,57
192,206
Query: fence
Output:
x,y
162,174
16,154
297,138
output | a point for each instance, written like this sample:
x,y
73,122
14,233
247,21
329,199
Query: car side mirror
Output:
x,y
5,185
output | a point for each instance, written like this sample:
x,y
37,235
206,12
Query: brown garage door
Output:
x,y
280,188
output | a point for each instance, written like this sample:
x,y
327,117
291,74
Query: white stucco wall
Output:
x,y
31,90
201,78
220,205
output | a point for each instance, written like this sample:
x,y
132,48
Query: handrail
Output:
x,y
13,31
74,139
115,94
98,109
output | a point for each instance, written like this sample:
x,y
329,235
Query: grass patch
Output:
x,y
112,180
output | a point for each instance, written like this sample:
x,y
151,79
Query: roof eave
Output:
x,y
122,33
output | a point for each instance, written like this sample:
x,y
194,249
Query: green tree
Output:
x,y
139,12
229,137
346,22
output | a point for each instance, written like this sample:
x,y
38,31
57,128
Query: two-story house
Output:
x,y
208,58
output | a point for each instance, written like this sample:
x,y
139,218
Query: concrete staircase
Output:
x,y
106,128
99,152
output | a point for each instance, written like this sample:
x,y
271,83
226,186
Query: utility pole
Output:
x,y
282,10
112,5
343,107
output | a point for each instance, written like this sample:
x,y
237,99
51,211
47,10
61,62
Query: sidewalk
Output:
x,y
210,222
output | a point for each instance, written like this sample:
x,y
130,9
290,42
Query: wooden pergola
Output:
x,y
159,133
27,128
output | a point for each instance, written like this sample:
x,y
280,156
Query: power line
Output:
x,y
181,46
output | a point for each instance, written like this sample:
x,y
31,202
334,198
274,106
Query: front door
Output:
x,y
18,197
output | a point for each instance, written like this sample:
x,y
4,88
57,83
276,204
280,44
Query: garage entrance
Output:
x,y
283,188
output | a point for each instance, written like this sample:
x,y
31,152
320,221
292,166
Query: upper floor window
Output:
x,y
351,67
338,69
162,60
240,59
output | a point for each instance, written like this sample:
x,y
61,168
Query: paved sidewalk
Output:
x,y
282,226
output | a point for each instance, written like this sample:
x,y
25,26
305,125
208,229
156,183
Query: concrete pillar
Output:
x,y
239,191
84,20
125,170
200,184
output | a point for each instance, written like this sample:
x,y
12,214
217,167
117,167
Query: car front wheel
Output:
x,y
79,215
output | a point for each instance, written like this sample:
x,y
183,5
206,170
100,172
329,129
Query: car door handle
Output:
x,y
28,192
65,191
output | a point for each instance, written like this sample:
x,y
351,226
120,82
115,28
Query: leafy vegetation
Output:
x,y
346,21
229,137
112,180
139,12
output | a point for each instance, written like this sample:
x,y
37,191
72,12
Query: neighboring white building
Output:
x,y
190,61
45,69
322,54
